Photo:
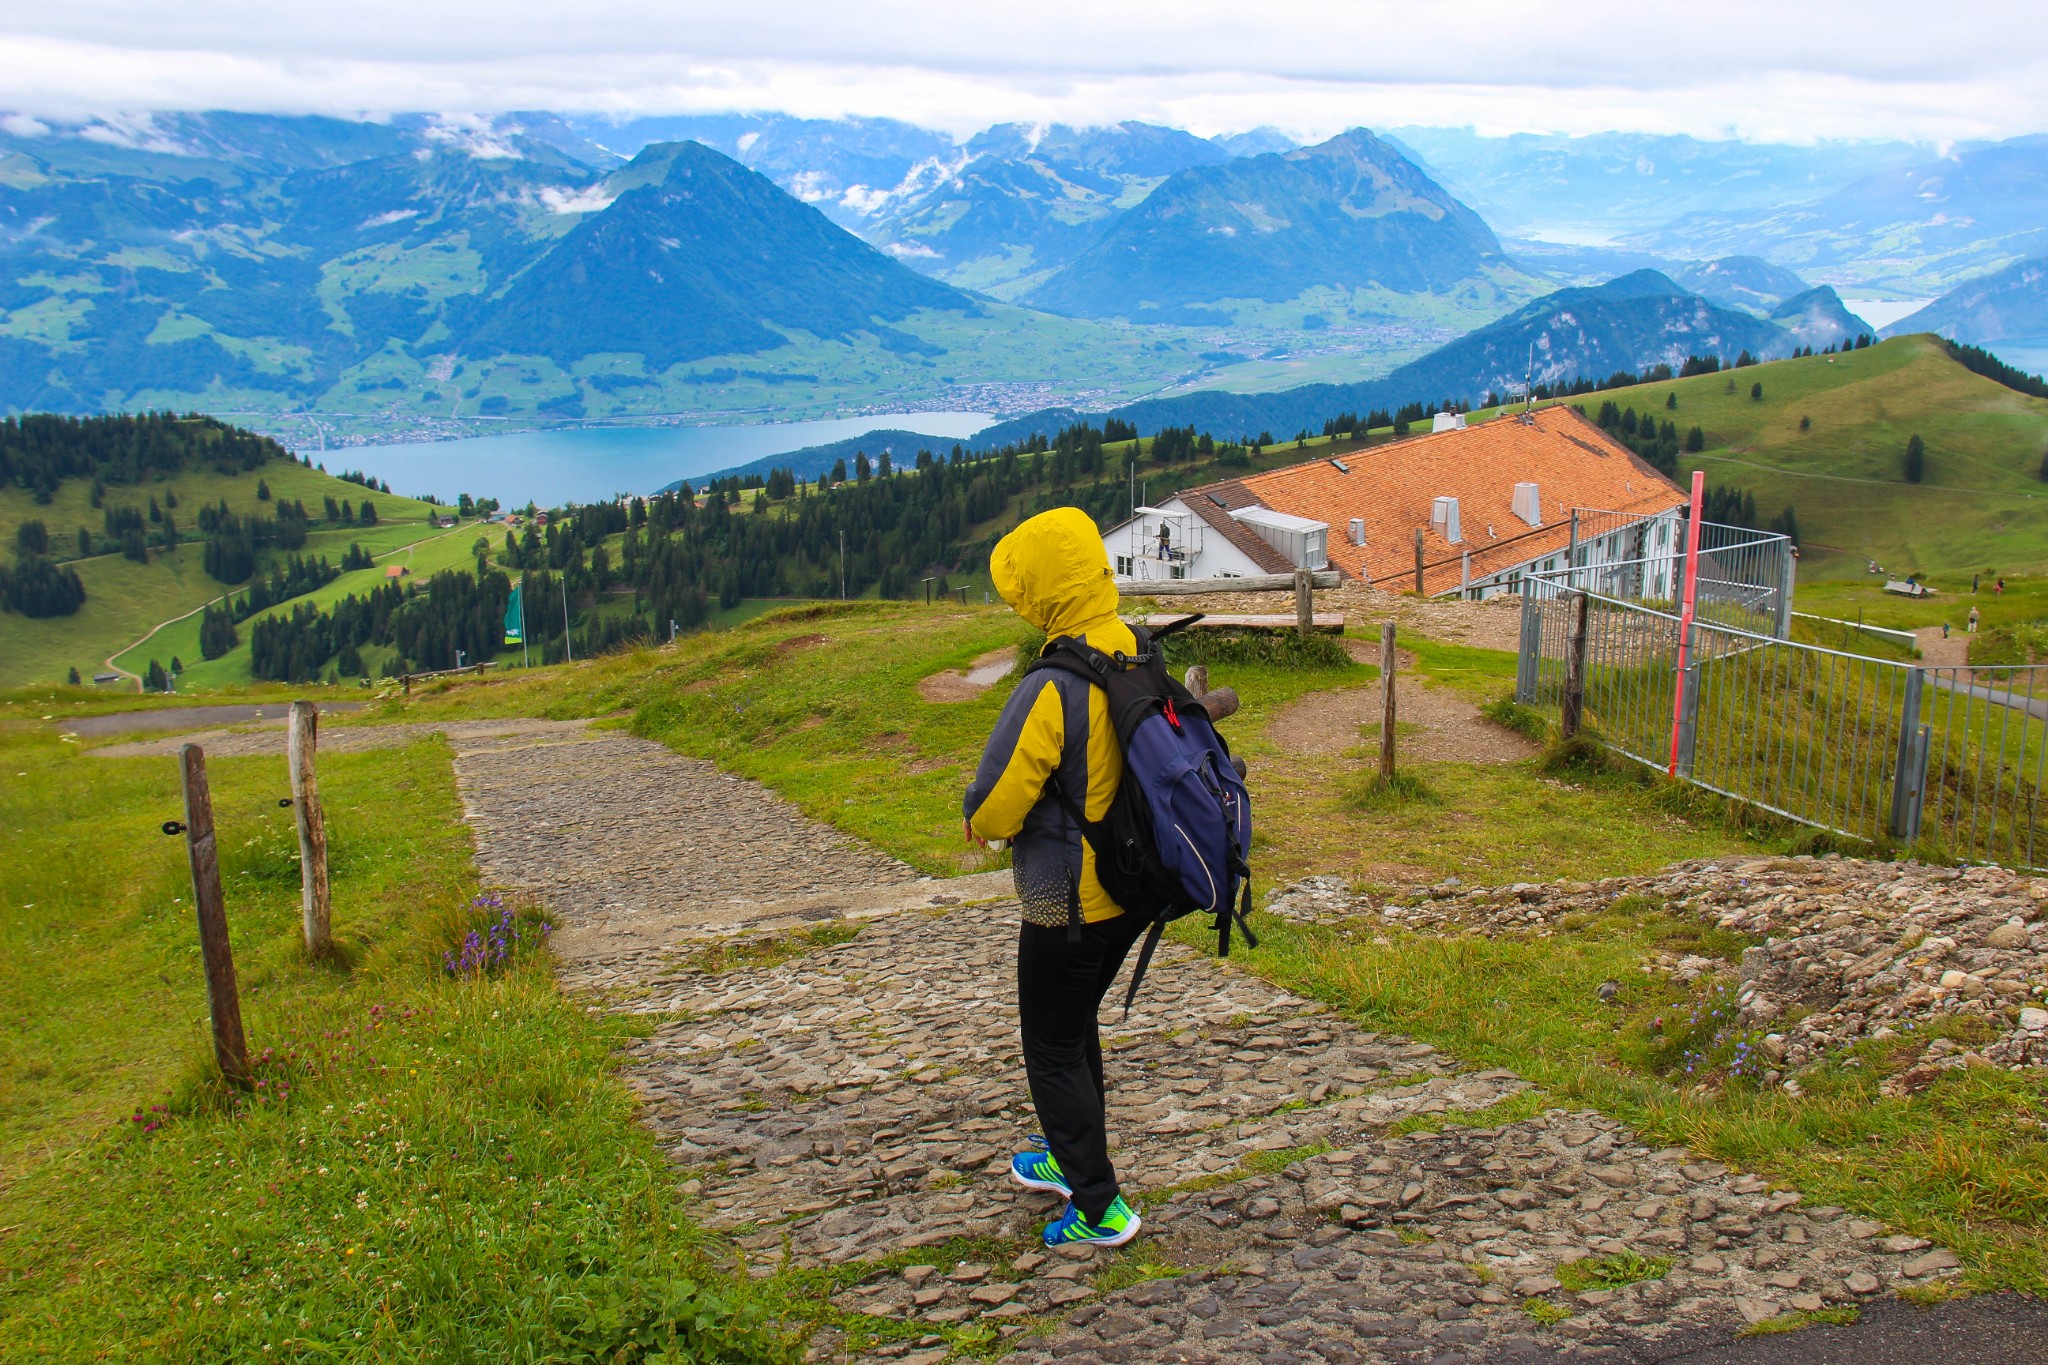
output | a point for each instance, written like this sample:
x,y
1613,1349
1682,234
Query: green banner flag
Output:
x,y
515,617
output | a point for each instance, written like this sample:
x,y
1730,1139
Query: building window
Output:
x,y
1123,566
1179,571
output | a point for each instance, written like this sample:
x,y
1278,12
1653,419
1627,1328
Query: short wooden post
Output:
x,y
1197,681
224,1002
1304,602
1418,561
1575,670
407,680
1387,706
314,906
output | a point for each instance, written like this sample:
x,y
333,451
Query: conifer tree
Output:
x,y
1916,459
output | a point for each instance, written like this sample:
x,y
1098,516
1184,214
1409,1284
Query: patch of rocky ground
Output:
x,y
1848,949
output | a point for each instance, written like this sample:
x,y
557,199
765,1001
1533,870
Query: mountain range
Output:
x,y
399,273
2009,303
1017,203
1350,214
1605,185
1631,323
422,270
1915,229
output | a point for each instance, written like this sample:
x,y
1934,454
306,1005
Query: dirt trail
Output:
x,y
853,1095
1431,724
1939,652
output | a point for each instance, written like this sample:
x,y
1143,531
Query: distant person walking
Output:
x,y
1055,747
1973,621
1944,630
1999,588
1974,580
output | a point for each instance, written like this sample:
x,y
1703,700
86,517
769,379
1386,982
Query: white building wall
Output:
x,y
1196,549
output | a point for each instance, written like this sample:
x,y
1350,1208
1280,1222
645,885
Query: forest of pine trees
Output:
x,y
40,450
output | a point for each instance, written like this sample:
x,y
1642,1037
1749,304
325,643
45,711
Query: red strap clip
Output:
x,y
1172,718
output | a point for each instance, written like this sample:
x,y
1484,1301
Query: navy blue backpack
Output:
x,y
1178,833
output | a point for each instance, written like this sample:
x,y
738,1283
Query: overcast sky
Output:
x,y
1769,69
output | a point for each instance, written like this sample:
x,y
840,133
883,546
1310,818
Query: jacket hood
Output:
x,y
1054,571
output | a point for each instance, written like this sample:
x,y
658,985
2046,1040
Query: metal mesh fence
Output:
x,y
1745,575
1952,759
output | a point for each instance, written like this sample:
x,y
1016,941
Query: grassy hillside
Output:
x,y
426,553
125,600
1982,504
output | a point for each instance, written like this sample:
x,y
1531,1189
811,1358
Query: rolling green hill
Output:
x,y
1981,505
126,600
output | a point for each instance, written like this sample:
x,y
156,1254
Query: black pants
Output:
x,y
1059,987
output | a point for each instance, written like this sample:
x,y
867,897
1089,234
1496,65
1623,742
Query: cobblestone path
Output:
x,y
835,1074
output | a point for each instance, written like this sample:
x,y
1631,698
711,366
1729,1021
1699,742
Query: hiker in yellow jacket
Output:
x,y
1055,738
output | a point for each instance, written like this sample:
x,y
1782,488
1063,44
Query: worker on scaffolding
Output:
x,y
1165,541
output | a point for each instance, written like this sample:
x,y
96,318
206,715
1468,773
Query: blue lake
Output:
x,y
586,464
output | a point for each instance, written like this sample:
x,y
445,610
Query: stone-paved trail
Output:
x,y
850,1093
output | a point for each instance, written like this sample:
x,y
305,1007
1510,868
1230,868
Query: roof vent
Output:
x,y
1443,519
1528,506
1358,530
1447,421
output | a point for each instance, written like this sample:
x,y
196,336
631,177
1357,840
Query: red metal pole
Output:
x,y
1685,611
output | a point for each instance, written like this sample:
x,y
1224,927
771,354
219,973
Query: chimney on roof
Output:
x,y
1358,530
1527,505
1443,519
1447,421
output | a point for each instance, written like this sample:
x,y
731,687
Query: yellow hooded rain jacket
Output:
x,y
1054,734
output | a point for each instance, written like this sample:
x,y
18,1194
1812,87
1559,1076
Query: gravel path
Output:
x,y
849,1093
192,717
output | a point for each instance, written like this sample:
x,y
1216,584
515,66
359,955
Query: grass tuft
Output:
x,y
1611,1272
1526,721
1402,789
1840,1316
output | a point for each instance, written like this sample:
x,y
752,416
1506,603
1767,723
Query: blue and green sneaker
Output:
x,y
1119,1224
1037,1170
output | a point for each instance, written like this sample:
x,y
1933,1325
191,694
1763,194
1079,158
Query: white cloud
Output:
x,y
1760,68
387,219
137,132
22,125
590,200
470,134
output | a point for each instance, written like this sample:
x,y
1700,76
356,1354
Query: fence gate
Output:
x,y
1951,759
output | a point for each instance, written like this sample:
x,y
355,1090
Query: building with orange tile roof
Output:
x,y
1491,502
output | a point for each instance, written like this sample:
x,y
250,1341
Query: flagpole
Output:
x,y
524,662
567,647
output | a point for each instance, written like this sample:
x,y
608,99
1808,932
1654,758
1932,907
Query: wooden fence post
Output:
x,y
1387,709
1418,561
1304,602
1575,671
224,1002
314,906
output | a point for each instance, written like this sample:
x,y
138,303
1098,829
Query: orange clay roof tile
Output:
x,y
1392,487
